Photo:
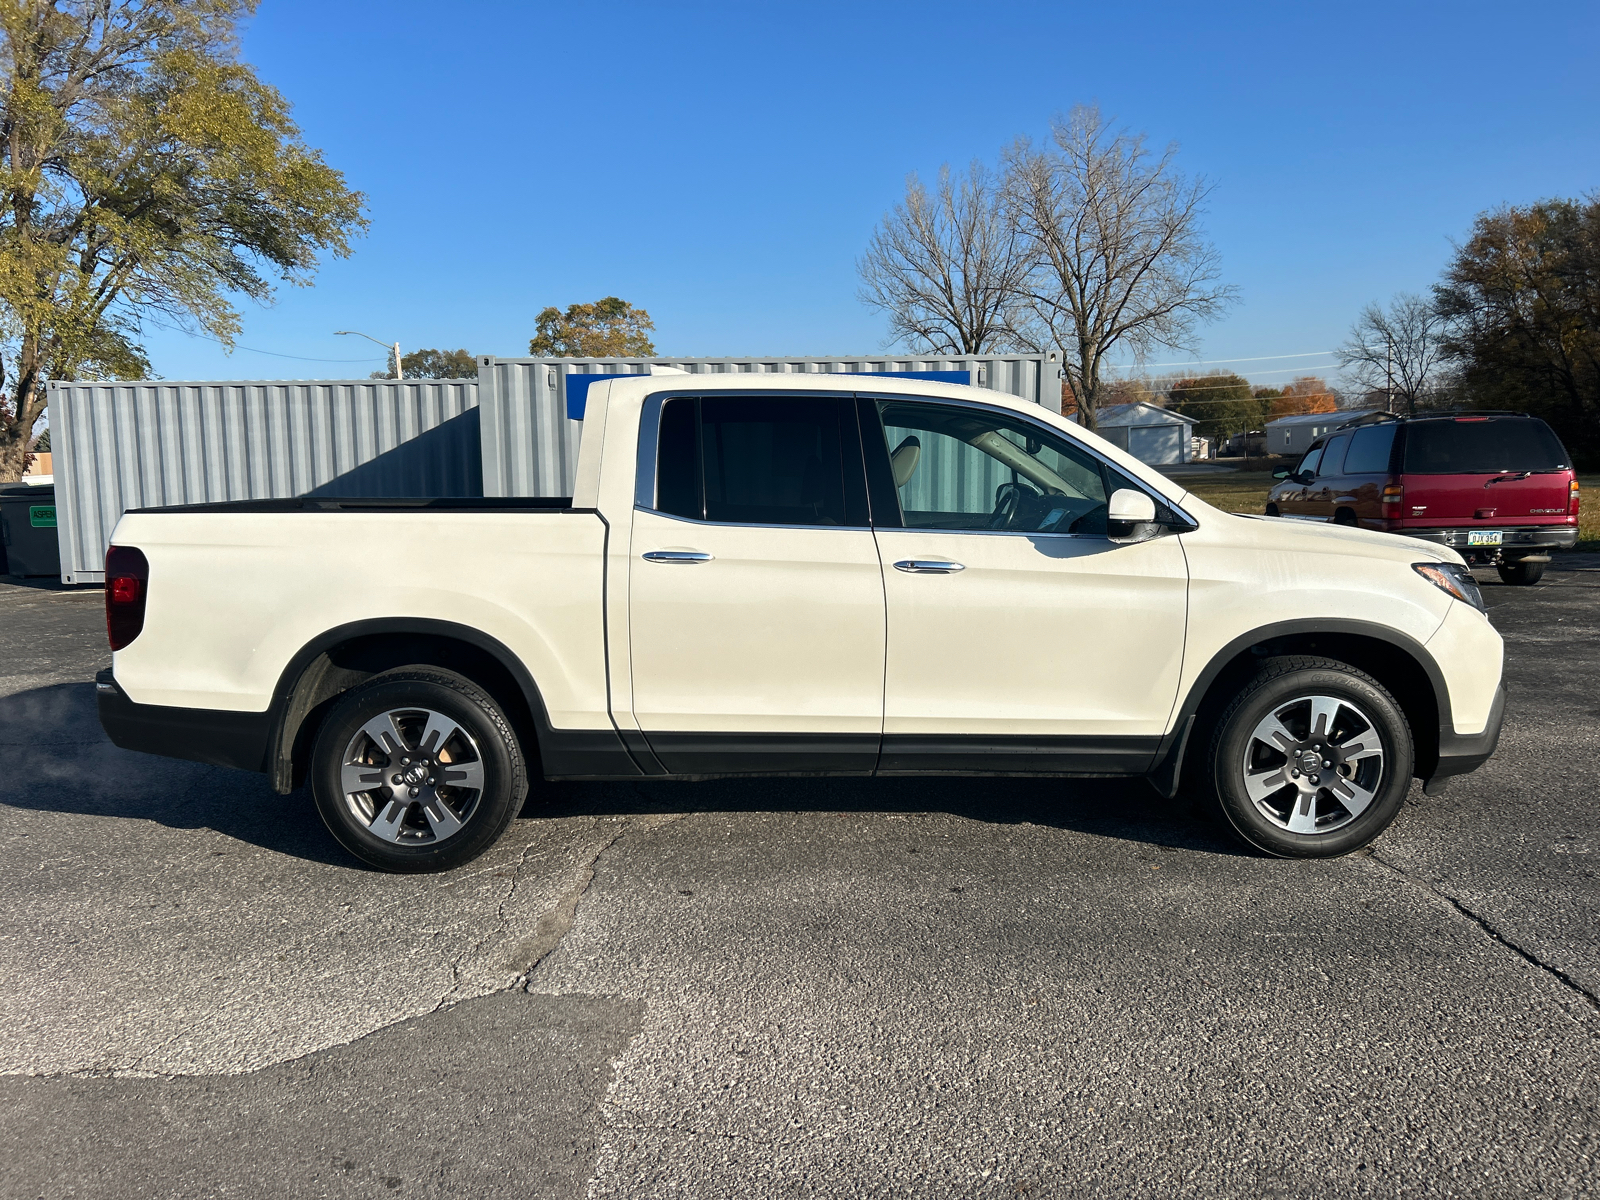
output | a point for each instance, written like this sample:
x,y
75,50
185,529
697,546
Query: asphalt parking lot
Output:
x,y
940,988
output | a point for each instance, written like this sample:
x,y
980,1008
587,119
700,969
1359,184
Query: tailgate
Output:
x,y
1493,499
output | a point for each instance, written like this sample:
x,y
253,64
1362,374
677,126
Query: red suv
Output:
x,y
1497,487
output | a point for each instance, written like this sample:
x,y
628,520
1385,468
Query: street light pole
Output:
x,y
394,348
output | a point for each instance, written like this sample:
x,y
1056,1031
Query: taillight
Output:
x,y
127,582
1394,492
1572,498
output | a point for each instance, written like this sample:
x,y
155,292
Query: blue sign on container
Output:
x,y
578,385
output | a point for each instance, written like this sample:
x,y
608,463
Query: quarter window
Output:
x,y
1369,450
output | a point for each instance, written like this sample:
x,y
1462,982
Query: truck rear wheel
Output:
x,y
417,769
1312,759
1521,573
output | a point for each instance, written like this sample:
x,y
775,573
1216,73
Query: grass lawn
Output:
x,y
1246,491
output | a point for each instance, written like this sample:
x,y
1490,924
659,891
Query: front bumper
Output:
x,y
208,735
1460,753
1515,542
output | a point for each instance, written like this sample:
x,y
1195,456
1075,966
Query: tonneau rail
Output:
x,y
378,504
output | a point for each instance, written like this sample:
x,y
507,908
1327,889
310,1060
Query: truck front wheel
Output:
x,y
417,769
1312,758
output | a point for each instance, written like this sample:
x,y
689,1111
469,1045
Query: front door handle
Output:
x,y
676,556
928,566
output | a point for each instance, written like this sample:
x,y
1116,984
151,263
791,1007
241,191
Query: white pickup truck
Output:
x,y
799,575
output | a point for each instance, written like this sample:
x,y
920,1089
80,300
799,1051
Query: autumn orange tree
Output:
x,y
1307,394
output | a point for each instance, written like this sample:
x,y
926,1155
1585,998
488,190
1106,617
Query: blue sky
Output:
x,y
723,164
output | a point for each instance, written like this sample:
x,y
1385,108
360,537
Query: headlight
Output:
x,y
1457,580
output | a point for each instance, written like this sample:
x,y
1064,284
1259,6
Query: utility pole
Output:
x,y
392,347
1388,375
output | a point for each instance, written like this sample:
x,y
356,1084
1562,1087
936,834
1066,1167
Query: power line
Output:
x,y
1206,362
253,350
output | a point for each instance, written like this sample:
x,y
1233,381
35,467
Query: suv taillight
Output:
x,y
1394,493
1572,498
127,582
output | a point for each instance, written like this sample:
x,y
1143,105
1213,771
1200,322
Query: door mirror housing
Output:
x,y
1304,477
1131,516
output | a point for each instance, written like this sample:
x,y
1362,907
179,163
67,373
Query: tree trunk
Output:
x,y
17,432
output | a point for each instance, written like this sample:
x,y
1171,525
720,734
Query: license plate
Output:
x,y
1484,537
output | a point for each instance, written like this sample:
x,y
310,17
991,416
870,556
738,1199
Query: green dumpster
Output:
x,y
28,530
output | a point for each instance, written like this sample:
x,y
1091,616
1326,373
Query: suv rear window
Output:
x,y
1482,446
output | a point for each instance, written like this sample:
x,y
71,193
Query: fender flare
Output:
x,y
564,752
1167,769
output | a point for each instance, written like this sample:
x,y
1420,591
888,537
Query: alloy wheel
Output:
x,y
412,776
1313,764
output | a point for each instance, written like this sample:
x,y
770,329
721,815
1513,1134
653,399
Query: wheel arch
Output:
x,y
348,655
1400,663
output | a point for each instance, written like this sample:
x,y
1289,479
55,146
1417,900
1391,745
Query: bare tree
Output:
x,y
1399,352
1119,260
946,267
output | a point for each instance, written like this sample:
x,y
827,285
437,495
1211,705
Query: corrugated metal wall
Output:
x,y
530,448
141,445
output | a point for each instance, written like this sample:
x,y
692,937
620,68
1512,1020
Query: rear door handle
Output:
x,y
676,556
928,566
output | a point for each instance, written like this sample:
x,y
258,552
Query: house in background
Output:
x,y
1150,433
1293,435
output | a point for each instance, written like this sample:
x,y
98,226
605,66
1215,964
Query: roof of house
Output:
x,y
1139,413
1338,417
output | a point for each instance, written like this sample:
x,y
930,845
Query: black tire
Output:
x,y
1359,703
435,825
1520,574
1345,517
1272,510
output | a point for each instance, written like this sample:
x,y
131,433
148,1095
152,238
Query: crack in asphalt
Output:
x,y
1488,927
474,946
554,924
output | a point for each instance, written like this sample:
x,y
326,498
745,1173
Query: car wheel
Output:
x,y
1344,517
417,769
1272,510
1311,759
1520,573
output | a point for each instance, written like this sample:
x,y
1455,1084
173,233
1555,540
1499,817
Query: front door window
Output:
x,y
957,468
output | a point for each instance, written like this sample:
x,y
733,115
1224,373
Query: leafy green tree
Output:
x,y
609,328
1222,402
1522,305
439,364
144,170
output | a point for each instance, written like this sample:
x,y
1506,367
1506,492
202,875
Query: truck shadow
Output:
x,y
54,757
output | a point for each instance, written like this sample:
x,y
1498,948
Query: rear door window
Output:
x,y
1482,446
758,460
1333,456
1369,450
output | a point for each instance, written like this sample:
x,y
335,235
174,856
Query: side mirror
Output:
x,y
1130,516
1281,473
1128,507
1303,478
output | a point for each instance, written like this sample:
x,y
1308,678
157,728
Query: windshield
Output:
x,y
1482,446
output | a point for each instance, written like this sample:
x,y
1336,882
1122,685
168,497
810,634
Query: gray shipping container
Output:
x,y
530,445
146,445
151,444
